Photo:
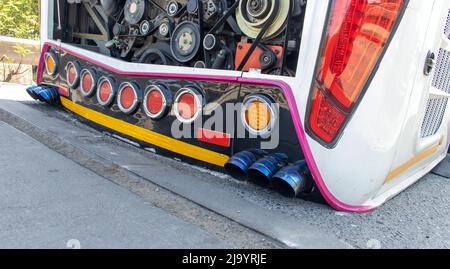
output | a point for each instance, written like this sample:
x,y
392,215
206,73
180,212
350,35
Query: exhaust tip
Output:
x,y
262,171
238,165
31,92
50,95
44,94
40,96
236,171
285,187
260,174
292,180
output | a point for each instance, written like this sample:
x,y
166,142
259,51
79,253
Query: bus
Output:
x,y
338,101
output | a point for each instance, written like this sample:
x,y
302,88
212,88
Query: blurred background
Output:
x,y
19,41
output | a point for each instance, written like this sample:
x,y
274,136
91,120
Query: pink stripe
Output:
x,y
40,68
329,197
41,61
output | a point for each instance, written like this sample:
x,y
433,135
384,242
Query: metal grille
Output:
x,y
436,107
441,79
433,116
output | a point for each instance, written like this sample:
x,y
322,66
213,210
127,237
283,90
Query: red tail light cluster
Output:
x,y
188,104
356,37
88,82
106,91
156,101
73,71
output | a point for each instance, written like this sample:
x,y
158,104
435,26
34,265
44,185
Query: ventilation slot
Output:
x,y
441,79
433,116
436,107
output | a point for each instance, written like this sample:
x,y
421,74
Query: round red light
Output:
x,y
88,82
73,74
128,98
105,91
187,106
155,102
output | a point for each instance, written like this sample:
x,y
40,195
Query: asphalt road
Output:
x,y
417,218
48,201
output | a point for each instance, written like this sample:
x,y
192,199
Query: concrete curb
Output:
x,y
55,135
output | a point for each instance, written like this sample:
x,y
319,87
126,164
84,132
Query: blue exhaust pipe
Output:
x,y
262,171
32,93
293,180
237,166
44,94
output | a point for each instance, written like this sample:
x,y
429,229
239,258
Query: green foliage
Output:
x,y
19,18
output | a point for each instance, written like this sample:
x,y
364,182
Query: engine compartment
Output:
x,y
245,35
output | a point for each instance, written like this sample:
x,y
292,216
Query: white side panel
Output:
x,y
412,143
357,168
46,10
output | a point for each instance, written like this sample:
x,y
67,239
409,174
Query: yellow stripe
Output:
x,y
148,136
422,156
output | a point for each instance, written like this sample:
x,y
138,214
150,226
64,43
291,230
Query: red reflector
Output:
x,y
63,91
105,91
187,106
357,34
214,138
127,97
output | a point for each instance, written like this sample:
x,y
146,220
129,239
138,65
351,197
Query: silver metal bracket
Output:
x,y
430,63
